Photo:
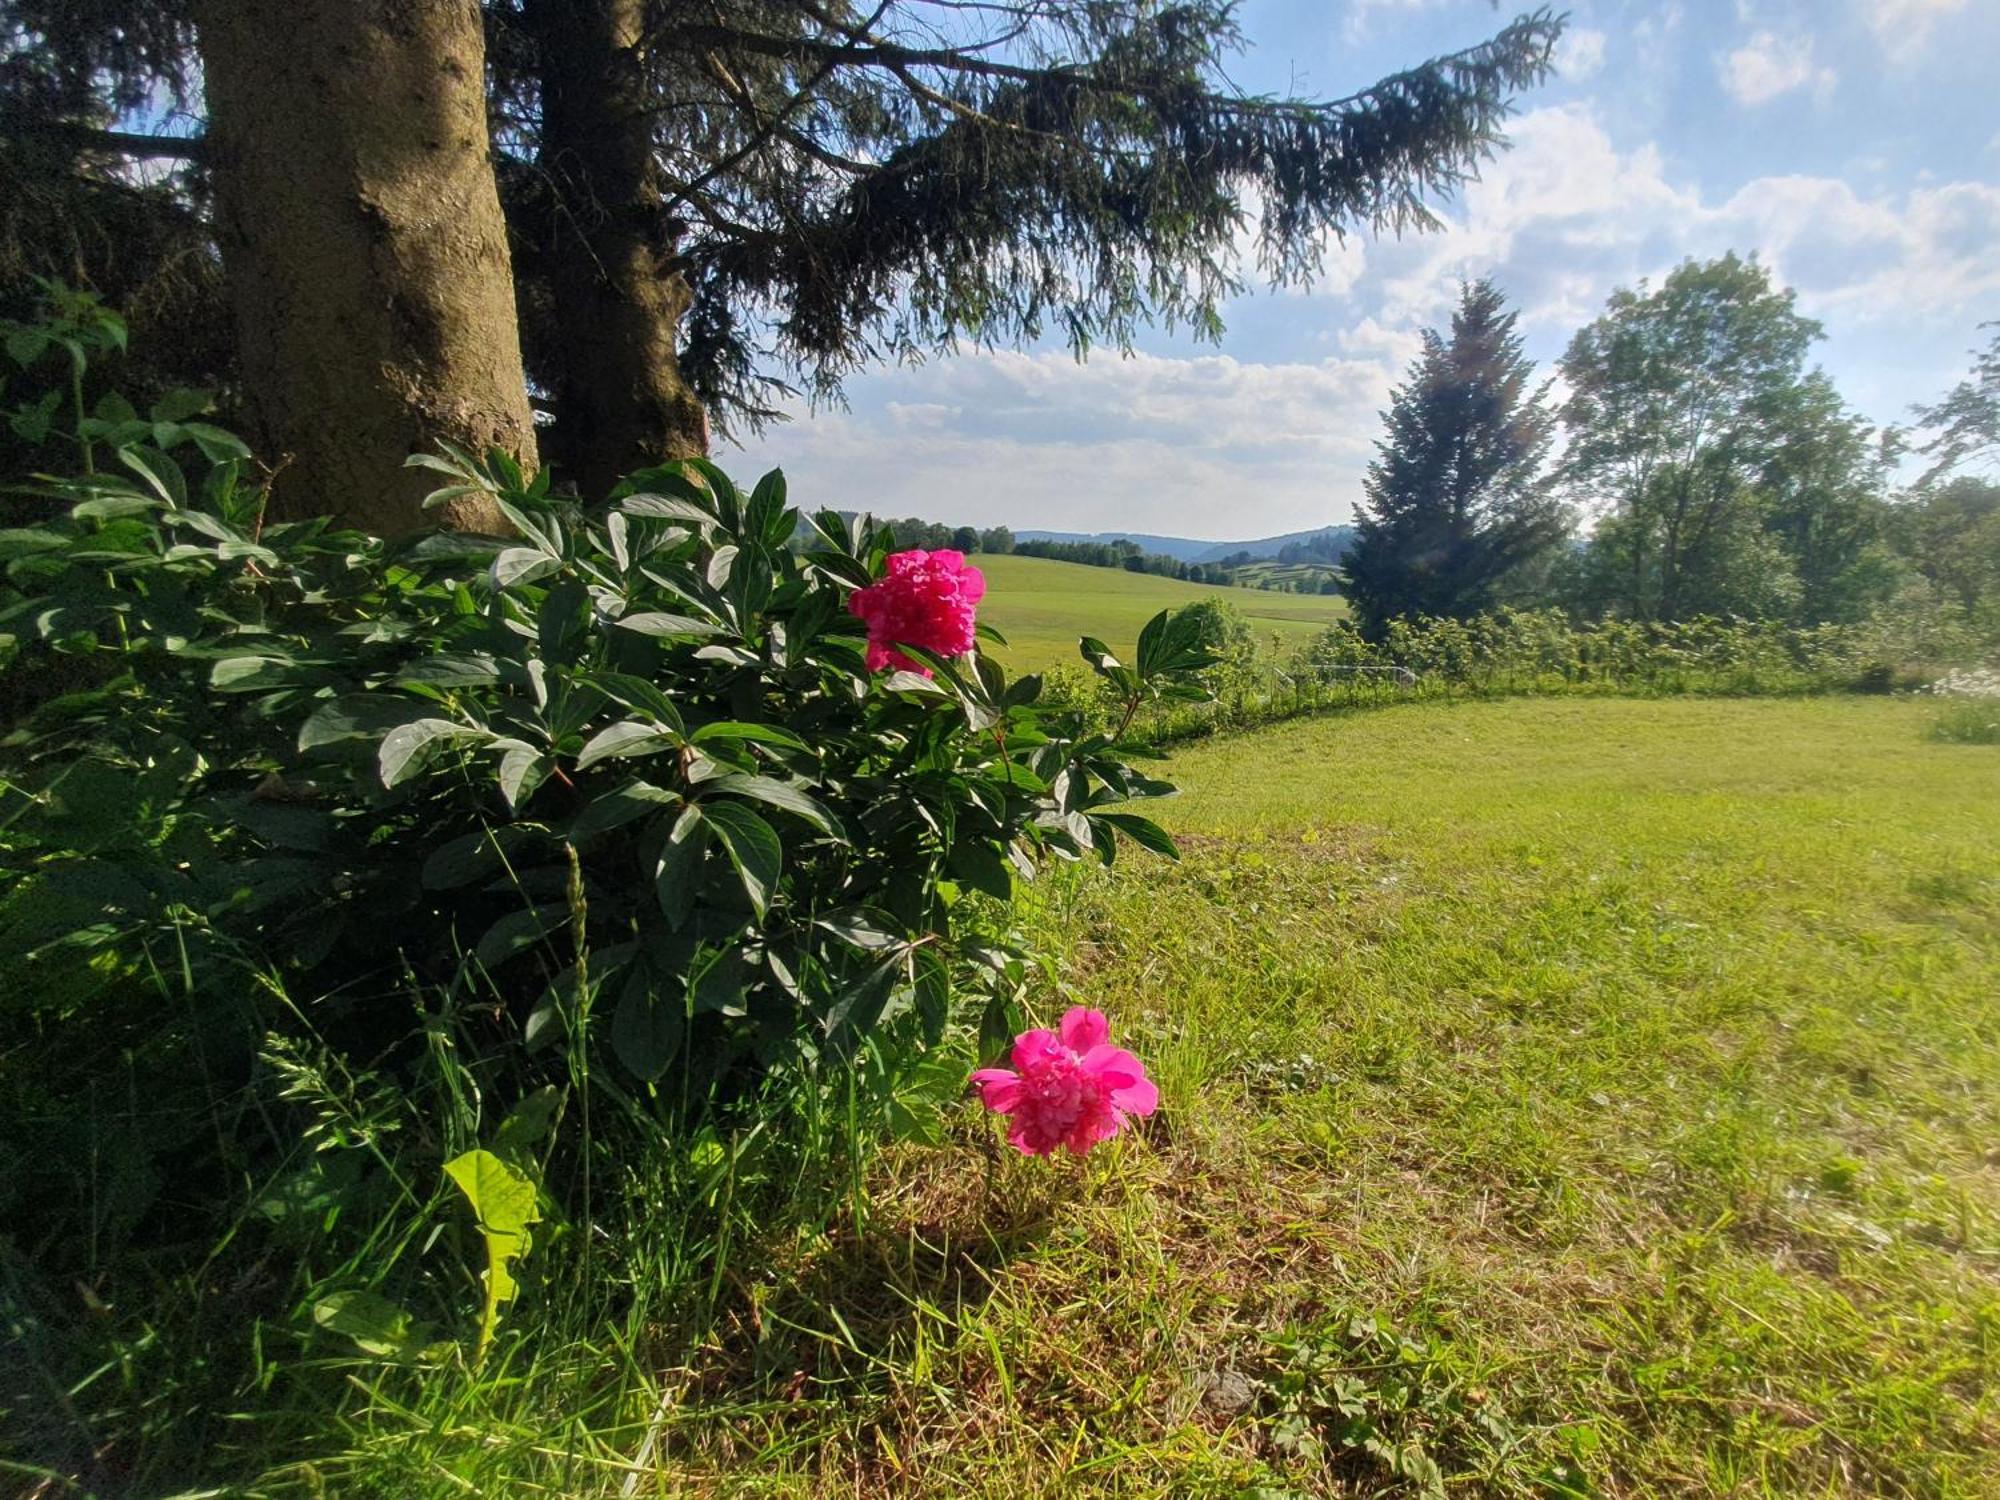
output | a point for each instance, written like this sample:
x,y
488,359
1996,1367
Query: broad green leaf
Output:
x,y
753,848
377,1325
858,1006
525,1132
762,734
520,930
519,565
666,508
780,794
677,878
646,1026
503,1199
628,737
522,769
661,624
859,927
1142,831
409,748
621,805
639,695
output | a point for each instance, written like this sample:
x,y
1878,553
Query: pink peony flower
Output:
x,y
1074,1089
923,599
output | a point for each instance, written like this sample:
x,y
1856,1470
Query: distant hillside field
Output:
x,y
1043,606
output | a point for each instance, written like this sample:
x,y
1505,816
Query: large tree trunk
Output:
x,y
366,255
620,399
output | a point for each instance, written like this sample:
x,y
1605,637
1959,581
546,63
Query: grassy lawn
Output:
x,y
1634,1066
1587,1097
1042,607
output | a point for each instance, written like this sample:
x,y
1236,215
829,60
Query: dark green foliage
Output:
x,y
73,209
421,744
1455,501
1950,534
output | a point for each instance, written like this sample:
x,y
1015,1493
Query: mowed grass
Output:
x,y
1636,1063
1042,607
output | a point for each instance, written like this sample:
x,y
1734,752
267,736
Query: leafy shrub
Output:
x,y
609,807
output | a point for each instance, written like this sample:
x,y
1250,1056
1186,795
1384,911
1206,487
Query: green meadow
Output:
x,y
1560,1098
1043,606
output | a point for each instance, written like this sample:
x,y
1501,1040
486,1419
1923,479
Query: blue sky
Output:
x,y
1853,144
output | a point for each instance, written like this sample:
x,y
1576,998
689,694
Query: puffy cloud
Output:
x,y
1769,65
1566,215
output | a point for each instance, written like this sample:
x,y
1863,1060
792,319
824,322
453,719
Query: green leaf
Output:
x,y
520,930
860,927
162,475
762,734
638,694
522,769
472,856
666,508
646,1027
780,794
377,1325
623,804
356,716
857,1008
177,405
409,748
677,878
980,866
519,565
451,669
933,987
525,1131
218,445
503,1199
753,848
660,624
628,737
1141,831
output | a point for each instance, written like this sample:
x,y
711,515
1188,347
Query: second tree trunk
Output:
x,y
618,299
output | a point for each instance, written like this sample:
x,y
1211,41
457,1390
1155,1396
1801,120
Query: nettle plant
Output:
x,y
624,778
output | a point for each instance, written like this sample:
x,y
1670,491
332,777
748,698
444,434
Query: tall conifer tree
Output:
x,y
1455,500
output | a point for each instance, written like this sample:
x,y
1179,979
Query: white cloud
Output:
x,y
1565,216
1769,65
1904,26
1580,54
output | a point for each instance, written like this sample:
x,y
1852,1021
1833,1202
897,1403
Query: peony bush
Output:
x,y
674,812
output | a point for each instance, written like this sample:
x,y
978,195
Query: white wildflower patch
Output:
x,y
1968,682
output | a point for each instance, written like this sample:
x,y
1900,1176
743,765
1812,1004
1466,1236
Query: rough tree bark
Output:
x,y
620,399
364,247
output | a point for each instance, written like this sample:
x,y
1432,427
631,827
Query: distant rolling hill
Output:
x,y
1042,607
1193,549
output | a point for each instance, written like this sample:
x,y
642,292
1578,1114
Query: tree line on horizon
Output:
x,y
1696,466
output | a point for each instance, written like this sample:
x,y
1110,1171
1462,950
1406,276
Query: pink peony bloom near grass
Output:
x,y
923,599
1071,1088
